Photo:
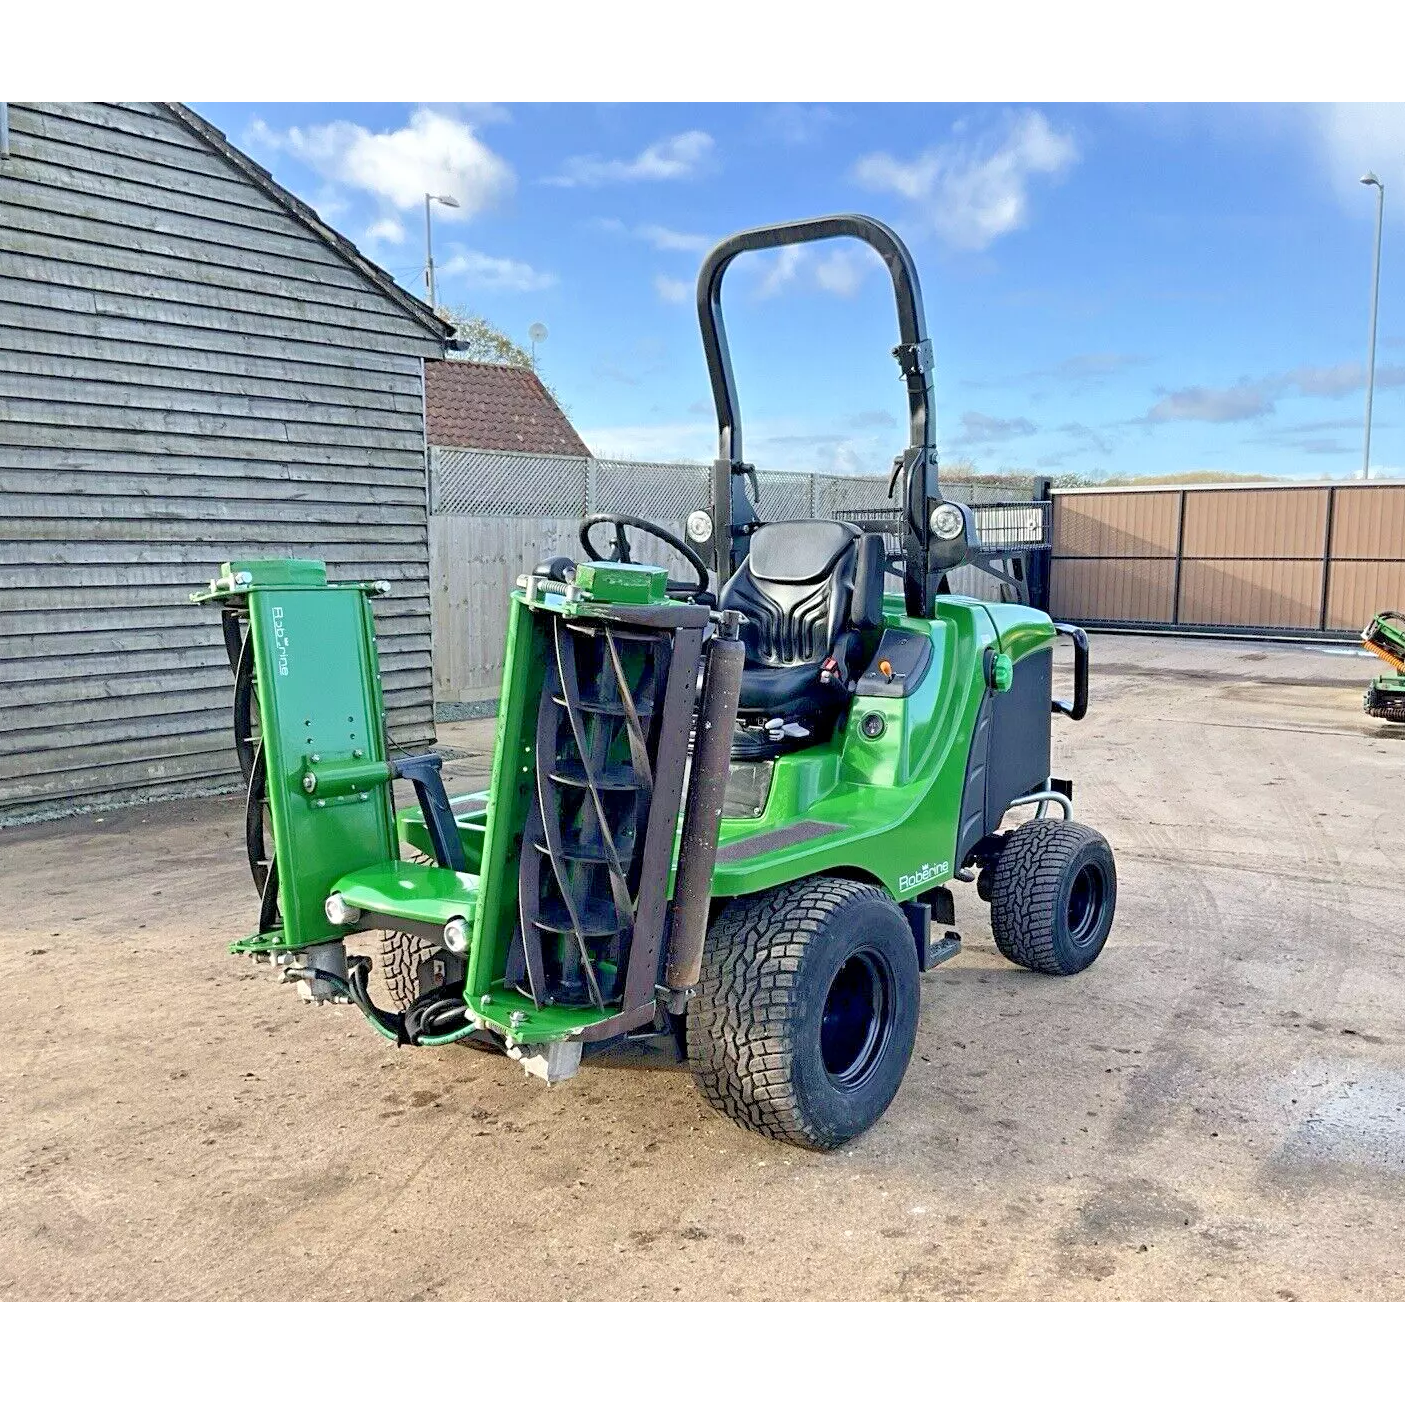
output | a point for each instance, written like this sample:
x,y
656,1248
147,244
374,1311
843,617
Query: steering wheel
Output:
x,y
620,552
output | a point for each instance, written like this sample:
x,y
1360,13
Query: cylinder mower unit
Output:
x,y
725,808
1385,637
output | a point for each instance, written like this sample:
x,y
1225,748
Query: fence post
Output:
x,y
1327,557
1040,567
1180,558
591,487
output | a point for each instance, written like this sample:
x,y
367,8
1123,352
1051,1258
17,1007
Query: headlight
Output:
x,y
340,913
699,526
948,521
456,935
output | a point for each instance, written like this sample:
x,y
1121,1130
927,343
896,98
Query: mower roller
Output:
x,y
1385,637
724,809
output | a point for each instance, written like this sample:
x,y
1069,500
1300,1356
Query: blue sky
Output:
x,y
1109,289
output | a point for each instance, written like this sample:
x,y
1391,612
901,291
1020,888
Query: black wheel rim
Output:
x,y
1085,904
857,1019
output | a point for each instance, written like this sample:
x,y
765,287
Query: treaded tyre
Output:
x,y
806,1013
411,966
1053,897
402,956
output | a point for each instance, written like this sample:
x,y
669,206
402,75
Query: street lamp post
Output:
x,y
429,240
1371,178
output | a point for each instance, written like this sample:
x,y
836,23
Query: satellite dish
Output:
x,y
537,331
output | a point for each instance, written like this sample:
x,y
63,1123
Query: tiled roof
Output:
x,y
473,405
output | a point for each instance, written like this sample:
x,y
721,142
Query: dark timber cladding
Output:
x,y
193,368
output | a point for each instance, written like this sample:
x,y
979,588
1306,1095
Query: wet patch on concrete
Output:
x,y
1353,1115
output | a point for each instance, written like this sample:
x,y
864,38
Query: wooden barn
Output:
x,y
193,368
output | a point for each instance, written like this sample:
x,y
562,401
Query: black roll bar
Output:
x,y
733,518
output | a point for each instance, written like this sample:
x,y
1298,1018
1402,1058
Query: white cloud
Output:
x,y
668,241
671,289
977,428
1346,138
1251,399
781,271
973,190
780,444
839,273
1246,401
681,441
479,270
796,124
673,240
434,153
483,114
670,159
386,231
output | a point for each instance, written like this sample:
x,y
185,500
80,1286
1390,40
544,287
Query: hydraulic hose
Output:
x,y
422,1024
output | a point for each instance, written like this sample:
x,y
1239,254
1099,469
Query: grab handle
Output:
x,y
1077,710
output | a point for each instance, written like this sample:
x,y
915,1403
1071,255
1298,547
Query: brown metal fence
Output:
x,y
1271,560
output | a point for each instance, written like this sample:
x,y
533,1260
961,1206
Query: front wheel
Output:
x,y
1053,896
806,1013
411,966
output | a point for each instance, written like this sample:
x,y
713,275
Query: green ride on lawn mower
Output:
x,y
1385,637
724,808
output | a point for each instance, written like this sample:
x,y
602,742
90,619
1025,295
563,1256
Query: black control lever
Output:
x,y
423,773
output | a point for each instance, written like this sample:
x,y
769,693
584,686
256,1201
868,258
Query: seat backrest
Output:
x,y
801,585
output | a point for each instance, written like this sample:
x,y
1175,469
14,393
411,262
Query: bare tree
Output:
x,y
479,340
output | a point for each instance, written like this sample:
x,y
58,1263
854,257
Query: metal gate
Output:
x,y
1316,560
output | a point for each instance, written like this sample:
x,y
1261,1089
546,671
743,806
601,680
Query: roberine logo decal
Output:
x,y
280,641
928,873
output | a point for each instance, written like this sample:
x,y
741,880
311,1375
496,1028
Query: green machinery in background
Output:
x,y
724,809
1385,637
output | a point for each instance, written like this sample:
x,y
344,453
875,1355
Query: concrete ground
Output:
x,y
1215,1110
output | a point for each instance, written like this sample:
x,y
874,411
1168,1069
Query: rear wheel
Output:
x,y
1053,896
806,1014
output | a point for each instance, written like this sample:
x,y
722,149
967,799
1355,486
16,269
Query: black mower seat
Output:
x,y
809,591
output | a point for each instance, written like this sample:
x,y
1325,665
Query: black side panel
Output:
x,y
907,655
1019,743
972,828
754,845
